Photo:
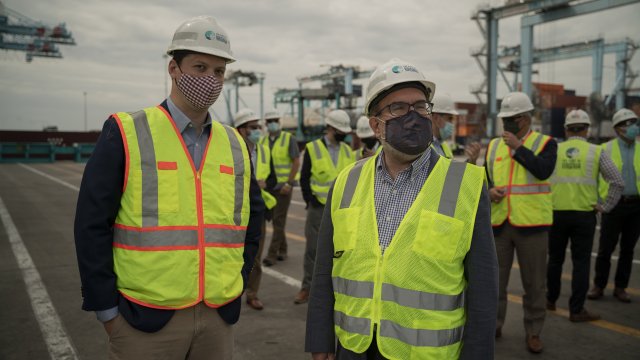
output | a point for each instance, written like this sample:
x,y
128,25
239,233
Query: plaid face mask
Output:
x,y
200,91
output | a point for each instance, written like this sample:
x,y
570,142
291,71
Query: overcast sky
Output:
x,y
118,57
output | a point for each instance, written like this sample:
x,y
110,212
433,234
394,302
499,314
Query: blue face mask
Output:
x,y
273,127
446,131
254,136
632,131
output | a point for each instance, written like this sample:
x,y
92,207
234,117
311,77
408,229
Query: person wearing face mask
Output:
x,y
169,213
518,166
370,145
246,122
406,267
324,158
621,224
284,165
443,114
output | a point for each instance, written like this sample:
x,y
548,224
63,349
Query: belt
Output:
x,y
629,199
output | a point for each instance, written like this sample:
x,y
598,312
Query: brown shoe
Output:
x,y
255,303
268,262
551,306
301,297
621,295
595,293
584,316
498,333
282,257
534,344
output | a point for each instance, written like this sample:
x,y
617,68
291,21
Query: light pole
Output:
x,y
85,111
166,65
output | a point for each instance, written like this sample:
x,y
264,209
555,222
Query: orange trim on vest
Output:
x,y
154,228
222,226
126,152
224,245
226,169
154,248
167,165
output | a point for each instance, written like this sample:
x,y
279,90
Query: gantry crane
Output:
x,y
19,32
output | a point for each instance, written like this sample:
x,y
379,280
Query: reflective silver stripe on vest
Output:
x,y
353,288
282,166
346,150
609,147
284,137
590,161
421,300
155,238
530,189
238,164
421,337
574,180
318,183
263,156
451,188
352,182
492,157
316,148
536,143
352,324
149,169
224,236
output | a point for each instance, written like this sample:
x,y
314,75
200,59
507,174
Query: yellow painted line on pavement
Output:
x,y
289,235
599,323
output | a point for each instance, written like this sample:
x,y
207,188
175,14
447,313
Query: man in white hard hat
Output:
x,y
324,158
169,213
284,165
518,165
621,224
405,239
247,123
444,113
370,144
575,204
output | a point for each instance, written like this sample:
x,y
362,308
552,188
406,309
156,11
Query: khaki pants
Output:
x,y
532,258
193,333
279,239
256,273
311,229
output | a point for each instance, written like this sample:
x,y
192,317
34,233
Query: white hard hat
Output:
x,y
244,116
577,117
340,120
272,114
363,130
443,104
391,73
515,103
202,34
623,115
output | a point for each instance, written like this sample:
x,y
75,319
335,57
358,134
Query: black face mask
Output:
x,y
511,126
410,134
339,137
369,142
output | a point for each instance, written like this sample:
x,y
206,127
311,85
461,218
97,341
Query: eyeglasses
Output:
x,y
422,107
627,123
511,118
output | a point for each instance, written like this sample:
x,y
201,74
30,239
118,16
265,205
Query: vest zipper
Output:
x,y
200,235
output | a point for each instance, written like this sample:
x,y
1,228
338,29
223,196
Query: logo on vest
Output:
x,y
338,254
572,160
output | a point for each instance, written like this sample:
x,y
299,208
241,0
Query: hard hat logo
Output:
x,y
210,35
402,68
397,69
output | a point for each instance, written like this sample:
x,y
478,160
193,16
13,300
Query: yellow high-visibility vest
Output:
x,y
574,185
613,149
282,162
414,316
358,152
263,170
528,200
445,149
323,171
179,234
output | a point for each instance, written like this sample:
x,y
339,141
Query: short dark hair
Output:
x,y
179,55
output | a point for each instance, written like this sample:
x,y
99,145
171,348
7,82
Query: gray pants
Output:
x,y
532,258
311,229
279,238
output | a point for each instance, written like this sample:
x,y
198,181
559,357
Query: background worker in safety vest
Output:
x,y
443,115
406,265
623,222
370,145
575,204
169,214
518,165
247,124
324,158
284,166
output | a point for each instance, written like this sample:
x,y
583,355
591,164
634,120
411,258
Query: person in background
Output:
x,y
518,166
324,158
574,188
406,265
284,165
247,124
444,113
370,145
622,223
168,216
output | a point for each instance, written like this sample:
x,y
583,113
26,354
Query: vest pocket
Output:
x,y
168,198
345,225
437,236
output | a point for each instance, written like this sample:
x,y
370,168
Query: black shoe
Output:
x,y
595,293
498,333
551,306
268,262
584,316
282,257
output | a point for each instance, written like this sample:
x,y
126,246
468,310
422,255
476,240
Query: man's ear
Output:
x,y
375,125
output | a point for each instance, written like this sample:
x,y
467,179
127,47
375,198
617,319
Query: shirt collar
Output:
x,y
181,120
419,164
329,144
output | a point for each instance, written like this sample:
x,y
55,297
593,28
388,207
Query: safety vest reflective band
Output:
x,y
414,316
280,152
445,149
575,180
179,233
613,149
527,201
323,171
263,170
